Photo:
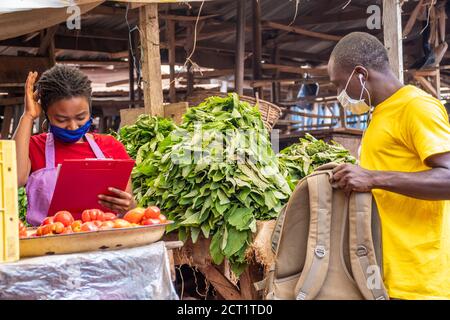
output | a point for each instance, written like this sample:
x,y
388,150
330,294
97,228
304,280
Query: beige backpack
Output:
x,y
327,245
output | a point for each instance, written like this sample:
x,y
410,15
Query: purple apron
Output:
x,y
41,183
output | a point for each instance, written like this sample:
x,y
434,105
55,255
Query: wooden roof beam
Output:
x,y
302,31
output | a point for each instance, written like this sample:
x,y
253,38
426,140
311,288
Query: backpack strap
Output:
x,y
366,270
318,254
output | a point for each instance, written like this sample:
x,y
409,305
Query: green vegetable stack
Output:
x,y
216,174
147,130
23,203
300,159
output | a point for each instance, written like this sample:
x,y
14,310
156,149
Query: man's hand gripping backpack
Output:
x,y
327,245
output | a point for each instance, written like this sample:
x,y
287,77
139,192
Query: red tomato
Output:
x,y
47,229
67,230
135,215
106,225
98,223
48,220
22,230
65,217
162,218
109,216
92,215
152,212
76,225
39,231
121,223
149,222
58,227
88,226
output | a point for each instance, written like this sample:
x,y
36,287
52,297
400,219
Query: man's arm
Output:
x,y
433,184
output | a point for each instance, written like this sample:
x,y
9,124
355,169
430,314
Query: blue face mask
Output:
x,y
70,136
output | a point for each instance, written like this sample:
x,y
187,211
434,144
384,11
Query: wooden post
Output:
x,y
151,60
276,86
437,82
131,76
7,119
240,48
170,35
189,45
257,45
392,27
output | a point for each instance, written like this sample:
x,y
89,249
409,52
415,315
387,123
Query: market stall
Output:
x,y
139,273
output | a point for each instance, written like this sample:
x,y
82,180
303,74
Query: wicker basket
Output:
x,y
270,113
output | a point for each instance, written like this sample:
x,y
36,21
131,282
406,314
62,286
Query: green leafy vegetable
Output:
x,y
23,203
216,174
300,159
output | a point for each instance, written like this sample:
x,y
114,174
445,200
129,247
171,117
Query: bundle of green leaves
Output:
x,y
148,130
215,175
302,158
23,203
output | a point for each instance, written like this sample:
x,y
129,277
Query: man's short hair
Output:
x,y
360,49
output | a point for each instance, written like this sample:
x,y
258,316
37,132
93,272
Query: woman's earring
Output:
x,y
44,129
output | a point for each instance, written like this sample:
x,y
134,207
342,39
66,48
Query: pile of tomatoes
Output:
x,y
93,220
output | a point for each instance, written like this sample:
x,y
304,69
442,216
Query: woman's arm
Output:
x,y
23,132
433,184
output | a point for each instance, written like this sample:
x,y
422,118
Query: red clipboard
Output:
x,y
80,182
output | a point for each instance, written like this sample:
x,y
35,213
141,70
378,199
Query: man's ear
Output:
x,y
362,72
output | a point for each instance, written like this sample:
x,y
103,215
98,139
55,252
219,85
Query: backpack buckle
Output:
x,y
320,251
361,251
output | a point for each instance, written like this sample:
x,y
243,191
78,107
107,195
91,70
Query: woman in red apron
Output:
x,y
64,94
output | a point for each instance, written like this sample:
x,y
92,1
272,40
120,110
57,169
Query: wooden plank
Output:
x,y
412,19
46,40
268,82
11,75
276,85
197,75
308,115
423,73
257,45
173,111
240,48
11,101
6,124
437,83
427,86
296,69
35,20
222,285
302,31
246,280
174,17
151,60
170,35
132,95
392,29
190,72
129,116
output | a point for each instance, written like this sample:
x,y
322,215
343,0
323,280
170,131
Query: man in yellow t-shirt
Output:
x,y
405,162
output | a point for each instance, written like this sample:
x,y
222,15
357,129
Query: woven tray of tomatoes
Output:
x,y
96,230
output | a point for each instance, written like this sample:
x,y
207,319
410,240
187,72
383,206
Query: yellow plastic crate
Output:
x,y
9,208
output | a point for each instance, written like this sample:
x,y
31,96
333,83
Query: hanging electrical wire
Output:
x,y
136,67
297,4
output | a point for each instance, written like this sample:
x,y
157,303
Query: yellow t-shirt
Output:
x,y
407,128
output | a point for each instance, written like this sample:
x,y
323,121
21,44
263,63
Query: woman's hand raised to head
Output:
x,y
33,108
